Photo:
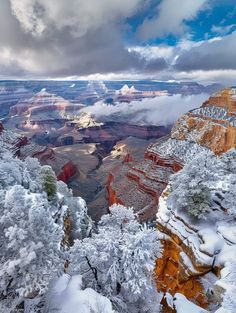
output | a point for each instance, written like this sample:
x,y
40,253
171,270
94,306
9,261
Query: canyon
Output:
x,y
109,162
75,143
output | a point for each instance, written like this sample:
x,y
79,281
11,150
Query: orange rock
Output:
x,y
217,135
168,275
225,99
112,197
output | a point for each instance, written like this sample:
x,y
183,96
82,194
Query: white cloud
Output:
x,y
223,30
226,77
153,52
162,110
215,54
170,18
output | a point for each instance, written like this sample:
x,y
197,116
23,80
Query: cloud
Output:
x,y
170,18
60,38
223,30
151,53
78,38
218,54
164,110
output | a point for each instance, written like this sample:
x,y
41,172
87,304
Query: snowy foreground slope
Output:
x,y
52,257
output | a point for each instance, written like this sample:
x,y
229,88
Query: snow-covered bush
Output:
x,y
199,201
118,261
206,183
229,197
76,210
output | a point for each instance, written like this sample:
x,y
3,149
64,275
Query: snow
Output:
x,y
169,300
215,113
223,310
163,212
181,149
212,242
67,295
183,305
228,232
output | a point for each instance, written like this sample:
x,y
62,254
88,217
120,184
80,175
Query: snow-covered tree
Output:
x,y
75,209
229,197
228,161
30,244
118,261
32,228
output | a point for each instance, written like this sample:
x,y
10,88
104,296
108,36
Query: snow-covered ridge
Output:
x,y
181,149
215,112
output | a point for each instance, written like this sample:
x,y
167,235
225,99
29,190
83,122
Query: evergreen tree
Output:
x,y
49,181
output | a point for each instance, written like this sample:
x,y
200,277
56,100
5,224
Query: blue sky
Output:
x,y
125,39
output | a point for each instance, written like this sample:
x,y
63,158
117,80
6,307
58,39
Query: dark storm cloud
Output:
x,y
218,54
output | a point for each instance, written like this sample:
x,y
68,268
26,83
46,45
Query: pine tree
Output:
x,y
49,181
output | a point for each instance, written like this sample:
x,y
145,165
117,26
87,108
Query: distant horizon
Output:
x,y
111,80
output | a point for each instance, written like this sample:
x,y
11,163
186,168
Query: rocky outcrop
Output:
x,y
217,135
182,262
225,98
213,125
112,196
64,168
